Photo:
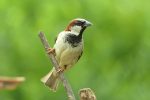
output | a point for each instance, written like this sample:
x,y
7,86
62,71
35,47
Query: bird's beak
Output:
x,y
87,23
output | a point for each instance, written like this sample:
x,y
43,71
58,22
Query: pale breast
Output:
x,y
70,56
66,54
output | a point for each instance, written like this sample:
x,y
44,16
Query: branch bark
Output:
x,y
65,82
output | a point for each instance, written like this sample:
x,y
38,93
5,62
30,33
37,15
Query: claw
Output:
x,y
50,51
60,70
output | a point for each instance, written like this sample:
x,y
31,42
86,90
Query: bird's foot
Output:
x,y
51,51
60,70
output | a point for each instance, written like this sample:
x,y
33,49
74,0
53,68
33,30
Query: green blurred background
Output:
x,y
116,59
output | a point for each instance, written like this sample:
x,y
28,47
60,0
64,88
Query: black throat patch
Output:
x,y
73,40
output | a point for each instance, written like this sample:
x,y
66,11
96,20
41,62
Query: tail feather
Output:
x,y
51,80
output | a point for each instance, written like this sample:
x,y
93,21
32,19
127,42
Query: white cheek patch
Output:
x,y
76,29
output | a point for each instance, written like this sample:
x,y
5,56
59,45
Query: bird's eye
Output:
x,y
83,22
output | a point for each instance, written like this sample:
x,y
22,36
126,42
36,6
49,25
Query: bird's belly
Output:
x,y
70,56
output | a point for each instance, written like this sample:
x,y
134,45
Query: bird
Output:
x,y
68,49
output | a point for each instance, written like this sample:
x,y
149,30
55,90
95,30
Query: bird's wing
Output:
x,y
80,56
56,39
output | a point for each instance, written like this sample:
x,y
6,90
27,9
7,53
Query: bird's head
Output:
x,y
78,25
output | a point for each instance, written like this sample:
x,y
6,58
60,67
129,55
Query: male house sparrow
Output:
x,y
68,49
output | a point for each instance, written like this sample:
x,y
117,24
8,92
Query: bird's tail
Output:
x,y
51,80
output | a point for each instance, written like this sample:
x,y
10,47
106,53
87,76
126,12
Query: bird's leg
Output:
x,y
60,70
51,51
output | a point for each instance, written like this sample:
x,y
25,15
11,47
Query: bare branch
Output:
x,y
56,65
87,94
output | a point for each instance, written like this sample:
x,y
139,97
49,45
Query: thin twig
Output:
x,y
56,65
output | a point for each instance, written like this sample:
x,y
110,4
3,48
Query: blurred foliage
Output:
x,y
115,63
